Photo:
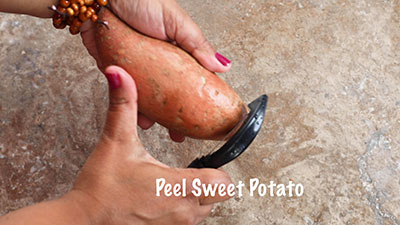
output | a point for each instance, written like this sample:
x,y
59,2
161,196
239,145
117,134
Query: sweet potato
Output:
x,y
173,88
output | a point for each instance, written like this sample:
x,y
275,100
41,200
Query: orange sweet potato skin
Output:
x,y
173,89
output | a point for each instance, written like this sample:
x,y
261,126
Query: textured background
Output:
x,y
331,69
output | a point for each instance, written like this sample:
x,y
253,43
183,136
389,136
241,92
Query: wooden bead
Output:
x,y
65,3
75,7
57,21
102,2
61,9
82,17
74,30
82,10
94,18
60,26
58,16
70,11
76,23
96,7
89,12
89,2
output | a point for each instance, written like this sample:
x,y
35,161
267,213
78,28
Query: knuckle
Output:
x,y
203,42
117,101
199,44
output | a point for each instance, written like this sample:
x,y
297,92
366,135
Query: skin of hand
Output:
x,y
164,20
161,19
117,183
36,8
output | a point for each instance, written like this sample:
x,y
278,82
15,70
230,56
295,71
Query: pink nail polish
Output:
x,y
224,61
114,80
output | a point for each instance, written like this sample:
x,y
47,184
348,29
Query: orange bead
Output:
x,y
89,2
74,1
60,26
102,2
94,18
75,7
91,10
74,30
57,21
82,10
96,7
77,23
58,16
81,2
83,17
89,13
65,3
70,11
61,9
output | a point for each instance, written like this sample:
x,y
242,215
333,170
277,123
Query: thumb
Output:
x,y
121,123
211,179
188,36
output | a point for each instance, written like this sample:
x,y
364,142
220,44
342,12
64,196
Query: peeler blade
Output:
x,y
239,141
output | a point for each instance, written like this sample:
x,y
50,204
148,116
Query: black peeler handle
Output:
x,y
239,142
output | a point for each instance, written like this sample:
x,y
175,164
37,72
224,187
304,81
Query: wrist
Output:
x,y
38,8
85,207
42,10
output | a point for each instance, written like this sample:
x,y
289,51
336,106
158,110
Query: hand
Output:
x,y
117,184
165,20
119,177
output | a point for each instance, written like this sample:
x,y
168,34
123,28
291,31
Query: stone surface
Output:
x,y
331,70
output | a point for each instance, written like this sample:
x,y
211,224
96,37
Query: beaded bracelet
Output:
x,y
75,12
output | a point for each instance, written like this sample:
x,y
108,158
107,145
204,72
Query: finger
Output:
x,y
175,136
144,122
210,178
181,28
88,39
122,112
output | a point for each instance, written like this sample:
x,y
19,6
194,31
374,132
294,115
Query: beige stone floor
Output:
x,y
331,69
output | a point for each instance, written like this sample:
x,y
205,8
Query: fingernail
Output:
x,y
114,80
224,61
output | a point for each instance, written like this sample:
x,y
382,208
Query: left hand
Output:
x,y
164,20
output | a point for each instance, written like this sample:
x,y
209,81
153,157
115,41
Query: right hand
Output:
x,y
117,183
